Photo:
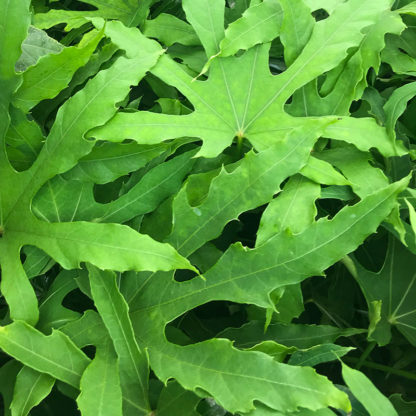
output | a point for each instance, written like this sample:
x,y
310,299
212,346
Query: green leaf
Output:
x,y
175,401
87,330
259,24
36,45
296,335
129,12
396,105
365,391
55,354
257,177
132,362
404,408
51,312
293,209
65,144
100,385
25,135
296,30
108,246
322,172
53,72
223,110
318,354
8,372
168,29
224,371
207,18
67,201
395,286
30,389
109,161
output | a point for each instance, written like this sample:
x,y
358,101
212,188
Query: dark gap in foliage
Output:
x,y
372,253
329,207
108,192
206,321
89,350
185,275
228,236
320,14
56,403
73,5
77,301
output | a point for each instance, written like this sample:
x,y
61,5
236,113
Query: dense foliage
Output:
x,y
207,207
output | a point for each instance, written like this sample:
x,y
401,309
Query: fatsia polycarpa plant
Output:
x,y
129,151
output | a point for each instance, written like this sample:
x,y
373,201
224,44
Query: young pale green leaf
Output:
x,y
293,209
129,12
100,385
132,362
36,45
53,72
395,286
30,389
55,354
258,24
365,391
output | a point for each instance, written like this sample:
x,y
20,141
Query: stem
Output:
x,y
240,145
365,354
384,368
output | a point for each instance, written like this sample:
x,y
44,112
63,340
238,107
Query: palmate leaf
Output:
x,y
249,276
395,286
224,110
106,245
